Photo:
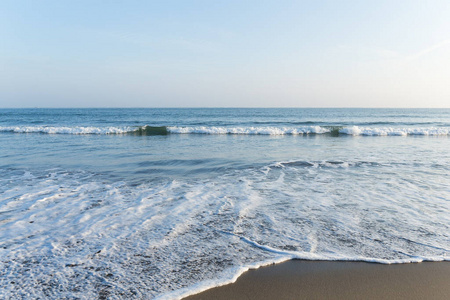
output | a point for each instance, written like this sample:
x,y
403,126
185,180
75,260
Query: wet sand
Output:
x,y
298,279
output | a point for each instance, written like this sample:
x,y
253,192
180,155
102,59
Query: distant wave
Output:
x,y
215,130
322,164
65,129
392,131
250,130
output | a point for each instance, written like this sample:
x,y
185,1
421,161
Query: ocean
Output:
x,y
163,203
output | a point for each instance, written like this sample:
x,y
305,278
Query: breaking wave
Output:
x,y
213,130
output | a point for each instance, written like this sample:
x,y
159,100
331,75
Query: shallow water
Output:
x,y
89,208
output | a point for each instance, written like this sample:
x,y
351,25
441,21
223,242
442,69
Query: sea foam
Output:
x,y
213,130
66,234
66,129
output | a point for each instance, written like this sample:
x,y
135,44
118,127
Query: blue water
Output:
x,y
145,203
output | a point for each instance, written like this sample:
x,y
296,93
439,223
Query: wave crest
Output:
x,y
213,130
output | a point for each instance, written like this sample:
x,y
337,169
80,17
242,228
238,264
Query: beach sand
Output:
x,y
298,279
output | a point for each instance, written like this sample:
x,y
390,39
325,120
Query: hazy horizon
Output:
x,y
312,54
214,107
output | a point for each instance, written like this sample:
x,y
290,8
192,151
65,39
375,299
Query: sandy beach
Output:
x,y
297,279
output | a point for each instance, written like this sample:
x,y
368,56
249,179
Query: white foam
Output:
x,y
66,129
306,130
353,130
70,235
389,131
249,130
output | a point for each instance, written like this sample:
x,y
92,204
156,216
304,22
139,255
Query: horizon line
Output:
x,y
220,107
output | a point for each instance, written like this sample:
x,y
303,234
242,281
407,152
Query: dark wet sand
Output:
x,y
298,279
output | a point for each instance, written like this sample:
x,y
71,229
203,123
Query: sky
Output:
x,y
224,53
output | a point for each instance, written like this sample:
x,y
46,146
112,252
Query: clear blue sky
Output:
x,y
224,53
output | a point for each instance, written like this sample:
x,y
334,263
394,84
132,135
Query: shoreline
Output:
x,y
302,279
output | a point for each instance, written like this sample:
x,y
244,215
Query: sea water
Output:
x,y
162,203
